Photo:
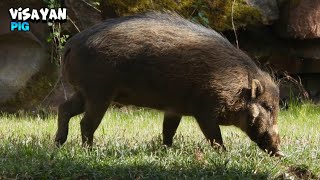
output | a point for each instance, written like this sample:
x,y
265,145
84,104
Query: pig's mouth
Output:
x,y
273,151
266,143
269,147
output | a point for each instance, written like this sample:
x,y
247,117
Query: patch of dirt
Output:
x,y
299,172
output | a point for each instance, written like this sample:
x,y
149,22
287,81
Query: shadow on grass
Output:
x,y
40,163
36,158
68,169
150,171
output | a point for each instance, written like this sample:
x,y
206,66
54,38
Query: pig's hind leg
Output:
x,y
96,105
70,108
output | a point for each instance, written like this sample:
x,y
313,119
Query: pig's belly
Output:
x,y
165,101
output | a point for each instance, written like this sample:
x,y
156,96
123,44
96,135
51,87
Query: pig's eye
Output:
x,y
269,108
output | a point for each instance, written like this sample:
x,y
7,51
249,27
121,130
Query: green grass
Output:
x,y
128,146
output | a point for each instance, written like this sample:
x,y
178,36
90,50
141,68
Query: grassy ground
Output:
x,y
128,146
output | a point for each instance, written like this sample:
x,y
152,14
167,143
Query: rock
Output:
x,y
13,3
308,49
300,19
269,50
108,11
82,14
287,55
291,92
268,8
216,14
25,64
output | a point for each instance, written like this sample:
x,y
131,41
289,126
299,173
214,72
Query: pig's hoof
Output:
x,y
219,147
279,154
167,145
59,141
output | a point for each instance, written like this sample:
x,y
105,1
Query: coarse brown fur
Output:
x,y
162,61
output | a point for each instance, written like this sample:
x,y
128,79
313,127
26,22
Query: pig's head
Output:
x,y
260,117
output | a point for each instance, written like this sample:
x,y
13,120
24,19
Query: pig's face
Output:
x,y
261,117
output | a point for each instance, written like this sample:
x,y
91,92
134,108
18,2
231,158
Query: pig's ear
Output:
x,y
256,88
